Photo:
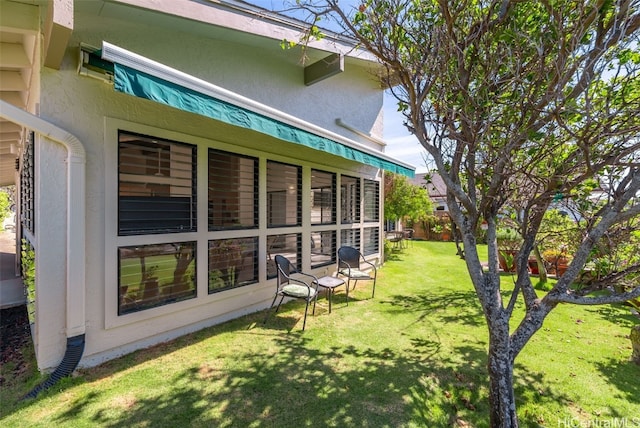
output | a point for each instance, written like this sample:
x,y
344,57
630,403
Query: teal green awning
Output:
x,y
144,78
143,85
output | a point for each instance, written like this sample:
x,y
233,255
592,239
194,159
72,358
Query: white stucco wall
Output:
x,y
92,111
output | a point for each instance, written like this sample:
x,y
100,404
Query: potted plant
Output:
x,y
446,232
509,242
557,261
443,229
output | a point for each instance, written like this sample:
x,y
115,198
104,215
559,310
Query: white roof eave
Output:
x,y
251,20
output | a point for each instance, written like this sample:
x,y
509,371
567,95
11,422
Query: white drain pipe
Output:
x,y
76,205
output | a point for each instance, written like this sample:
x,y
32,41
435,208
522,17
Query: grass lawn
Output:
x,y
414,356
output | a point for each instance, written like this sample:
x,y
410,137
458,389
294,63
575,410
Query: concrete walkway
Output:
x,y
11,287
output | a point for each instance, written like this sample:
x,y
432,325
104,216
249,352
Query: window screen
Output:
x,y
323,197
288,245
155,275
156,185
350,199
284,195
371,200
233,191
232,263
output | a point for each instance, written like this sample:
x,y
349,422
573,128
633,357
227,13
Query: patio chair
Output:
x,y
408,237
296,288
350,261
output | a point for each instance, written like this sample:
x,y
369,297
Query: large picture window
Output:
x,y
323,197
371,200
284,195
232,263
233,191
350,199
154,275
156,185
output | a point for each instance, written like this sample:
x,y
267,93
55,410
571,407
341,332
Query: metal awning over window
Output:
x,y
144,78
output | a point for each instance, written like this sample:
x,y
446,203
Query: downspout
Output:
x,y
75,298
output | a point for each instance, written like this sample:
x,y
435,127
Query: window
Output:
x,y
284,195
288,245
156,185
350,199
323,248
323,197
232,263
233,191
370,240
350,237
154,275
371,200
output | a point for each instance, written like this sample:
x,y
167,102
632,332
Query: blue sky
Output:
x,y
400,143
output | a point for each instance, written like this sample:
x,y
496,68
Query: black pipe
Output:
x,y
72,356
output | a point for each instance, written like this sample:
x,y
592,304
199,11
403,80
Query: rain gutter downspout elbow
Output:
x,y
76,206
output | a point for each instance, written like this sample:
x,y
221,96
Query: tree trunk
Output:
x,y
502,398
500,356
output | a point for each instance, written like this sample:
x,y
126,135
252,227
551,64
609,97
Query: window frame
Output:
x,y
332,197
241,198
278,196
232,253
146,295
371,205
145,192
350,203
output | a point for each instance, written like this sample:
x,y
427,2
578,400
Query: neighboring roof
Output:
x,y
435,185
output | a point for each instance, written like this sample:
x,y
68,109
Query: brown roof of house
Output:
x,y
435,186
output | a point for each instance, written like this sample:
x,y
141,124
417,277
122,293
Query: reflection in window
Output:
x,y
155,275
284,195
350,199
323,248
232,263
156,185
371,200
350,238
288,245
370,240
323,197
233,191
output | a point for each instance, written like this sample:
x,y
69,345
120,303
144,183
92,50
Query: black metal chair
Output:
x,y
296,288
350,261
408,237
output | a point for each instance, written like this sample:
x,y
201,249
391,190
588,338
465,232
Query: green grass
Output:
x,y
414,356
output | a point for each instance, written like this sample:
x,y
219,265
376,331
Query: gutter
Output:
x,y
76,206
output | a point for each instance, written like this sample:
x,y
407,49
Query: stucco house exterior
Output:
x,y
166,151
